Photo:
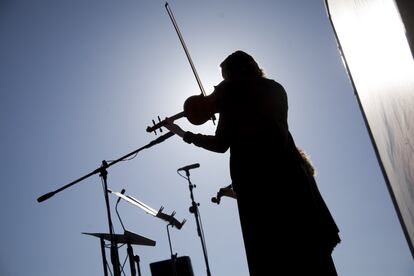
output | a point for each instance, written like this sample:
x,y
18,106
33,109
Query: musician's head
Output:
x,y
240,65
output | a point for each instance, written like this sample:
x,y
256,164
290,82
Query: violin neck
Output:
x,y
163,122
177,116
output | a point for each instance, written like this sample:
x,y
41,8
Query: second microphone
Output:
x,y
189,167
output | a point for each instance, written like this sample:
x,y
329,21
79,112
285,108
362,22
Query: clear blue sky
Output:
x,y
80,81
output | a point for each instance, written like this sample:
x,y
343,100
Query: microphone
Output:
x,y
119,199
189,167
216,199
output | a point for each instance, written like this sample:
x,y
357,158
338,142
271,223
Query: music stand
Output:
x,y
128,238
147,209
172,221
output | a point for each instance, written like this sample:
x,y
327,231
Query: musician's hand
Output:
x,y
228,191
171,126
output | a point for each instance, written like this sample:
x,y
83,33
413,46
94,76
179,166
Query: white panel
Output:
x,y
380,64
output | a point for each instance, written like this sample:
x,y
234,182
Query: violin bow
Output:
x,y
177,30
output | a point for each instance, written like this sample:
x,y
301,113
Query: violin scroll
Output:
x,y
162,123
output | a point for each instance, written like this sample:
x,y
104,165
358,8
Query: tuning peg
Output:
x,y
159,121
153,123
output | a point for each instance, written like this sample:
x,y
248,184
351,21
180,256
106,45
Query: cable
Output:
x,y
123,265
128,159
186,178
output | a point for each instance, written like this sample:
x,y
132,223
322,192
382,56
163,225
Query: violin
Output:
x,y
198,109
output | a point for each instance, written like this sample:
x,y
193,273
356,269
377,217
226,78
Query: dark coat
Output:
x,y
280,206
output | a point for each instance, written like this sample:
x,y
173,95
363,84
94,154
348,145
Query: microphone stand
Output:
x,y
172,222
103,173
194,209
114,249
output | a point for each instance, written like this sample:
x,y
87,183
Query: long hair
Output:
x,y
239,65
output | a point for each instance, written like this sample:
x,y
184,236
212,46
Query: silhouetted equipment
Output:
x,y
194,210
128,238
116,209
189,167
376,40
159,214
119,199
103,173
216,199
106,165
165,268
168,218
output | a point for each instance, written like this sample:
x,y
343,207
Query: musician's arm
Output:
x,y
228,191
171,126
208,142
217,143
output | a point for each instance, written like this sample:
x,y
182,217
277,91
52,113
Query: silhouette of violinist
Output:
x,y
287,228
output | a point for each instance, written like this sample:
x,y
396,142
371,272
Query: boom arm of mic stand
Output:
x,y
105,166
